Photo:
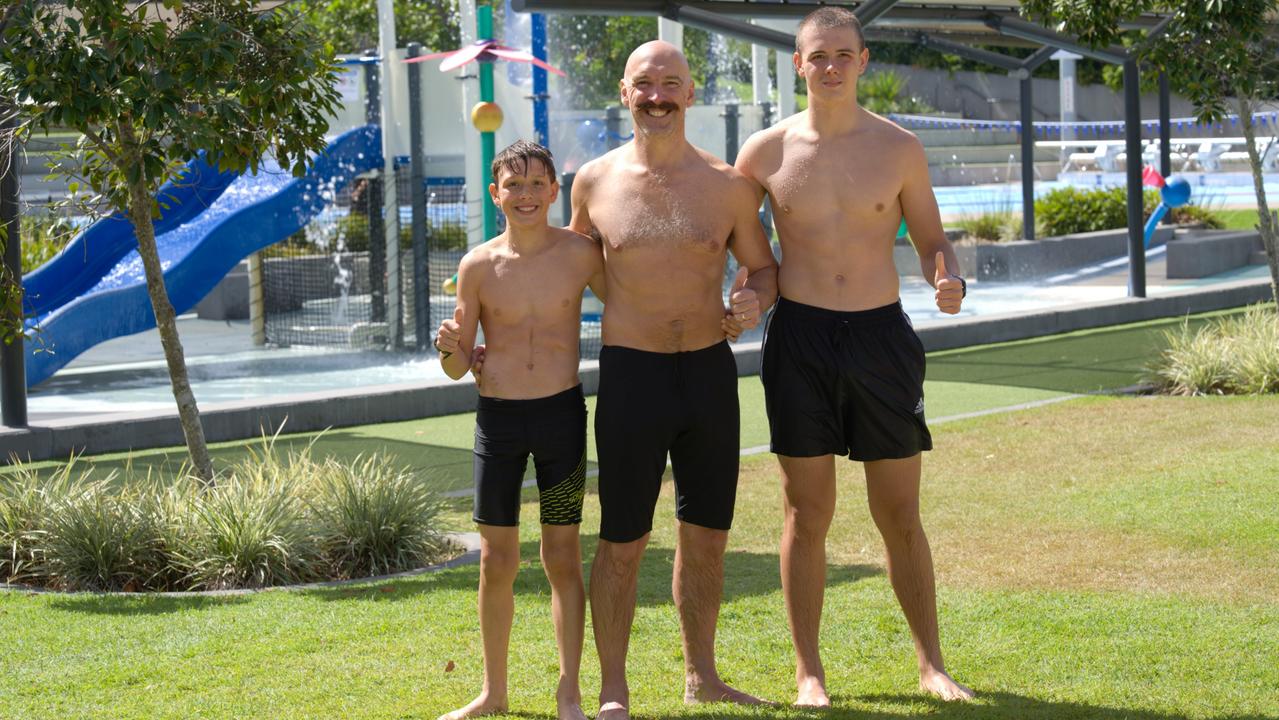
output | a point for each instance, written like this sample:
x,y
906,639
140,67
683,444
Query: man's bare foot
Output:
x,y
482,705
812,693
937,682
700,691
613,711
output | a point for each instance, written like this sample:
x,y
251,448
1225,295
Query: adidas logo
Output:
x,y
919,407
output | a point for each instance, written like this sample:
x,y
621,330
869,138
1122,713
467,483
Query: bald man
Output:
x,y
666,214
843,371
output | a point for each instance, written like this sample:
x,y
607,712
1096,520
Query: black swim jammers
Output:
x,y
844,383
652,403
551,429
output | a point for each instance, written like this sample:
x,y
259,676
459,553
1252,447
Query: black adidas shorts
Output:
x,y
551,429
653,403
844,383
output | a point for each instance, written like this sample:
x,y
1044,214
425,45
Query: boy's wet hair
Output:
x,y
516,157
830,16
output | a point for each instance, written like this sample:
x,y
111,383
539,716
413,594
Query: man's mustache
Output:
x,y
649,105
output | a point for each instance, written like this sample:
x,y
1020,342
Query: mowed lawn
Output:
x,y
1102,557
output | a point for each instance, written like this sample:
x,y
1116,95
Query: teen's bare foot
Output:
x,y
613,711
482,705
812,693
698,691
937,682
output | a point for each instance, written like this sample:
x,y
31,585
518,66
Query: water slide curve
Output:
x,y
95,290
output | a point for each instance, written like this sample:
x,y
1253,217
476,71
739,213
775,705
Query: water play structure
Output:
x,y
96,290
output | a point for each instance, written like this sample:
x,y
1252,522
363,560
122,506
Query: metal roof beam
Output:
x,y
1030,31
870,10
714,22
1003,62
1037,58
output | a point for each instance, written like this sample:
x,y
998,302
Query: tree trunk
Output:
x,y
166,322
1265,223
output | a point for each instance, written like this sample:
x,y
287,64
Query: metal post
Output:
x,y
1132,143
417,177
257,301
541,114
1165,129
13,367
484,30
372,91
1027,158
730,133
612,127
377,250
566,196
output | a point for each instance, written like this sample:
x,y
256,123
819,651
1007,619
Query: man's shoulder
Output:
x,y
598,167
480,255
572,242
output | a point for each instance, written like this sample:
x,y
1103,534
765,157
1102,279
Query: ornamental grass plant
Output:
x,y
1234,355
269,519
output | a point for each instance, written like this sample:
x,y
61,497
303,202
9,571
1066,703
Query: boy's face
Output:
x,y
831,60
525,198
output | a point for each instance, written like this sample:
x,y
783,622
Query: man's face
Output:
x,y
658,90
525,198
830,61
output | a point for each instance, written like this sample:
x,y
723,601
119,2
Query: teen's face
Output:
x,y
657,90
830,60
525,198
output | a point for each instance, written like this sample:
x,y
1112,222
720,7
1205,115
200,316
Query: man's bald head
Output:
x,y
660,53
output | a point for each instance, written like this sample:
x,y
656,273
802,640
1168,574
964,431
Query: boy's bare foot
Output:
x,y
812,693
698,691
482,705
613,711
937,682
567,710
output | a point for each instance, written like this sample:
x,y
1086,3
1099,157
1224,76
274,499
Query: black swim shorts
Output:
x,y
653,403
551,429
844,383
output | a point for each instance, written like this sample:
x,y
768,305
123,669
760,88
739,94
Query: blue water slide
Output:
x,y
253,212
97,249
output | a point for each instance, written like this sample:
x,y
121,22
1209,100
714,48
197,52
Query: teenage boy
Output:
x,y
525,288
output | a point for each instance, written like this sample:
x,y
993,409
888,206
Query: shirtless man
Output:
x,y
666,214
843,371
525,288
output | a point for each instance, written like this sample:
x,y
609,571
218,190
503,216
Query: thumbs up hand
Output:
x,y
449,337
743,311
950,289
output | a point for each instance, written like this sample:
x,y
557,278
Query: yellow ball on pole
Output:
x,y
486,117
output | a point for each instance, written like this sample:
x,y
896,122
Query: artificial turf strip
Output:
x,y
1099,558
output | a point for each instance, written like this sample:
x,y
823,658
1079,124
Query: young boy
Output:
x,y
525,287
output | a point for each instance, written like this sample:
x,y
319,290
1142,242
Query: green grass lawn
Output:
x,y
1244,219
1104,557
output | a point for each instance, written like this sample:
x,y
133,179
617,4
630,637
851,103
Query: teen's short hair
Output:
x,y
830,16
516,157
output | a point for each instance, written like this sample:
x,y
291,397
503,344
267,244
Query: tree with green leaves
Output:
x,y
351,25
1222,56
150,85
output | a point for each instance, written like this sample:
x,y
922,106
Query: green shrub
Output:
x,y
885,92
997,226
43,236
249,529
375,519
267,520
98,538
1069,210
1236,355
